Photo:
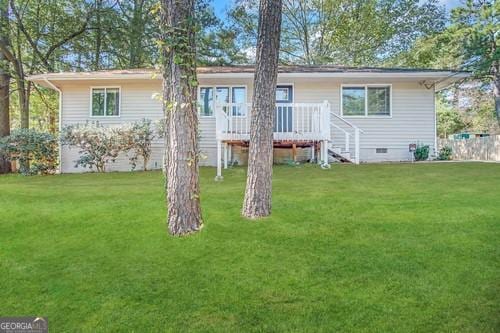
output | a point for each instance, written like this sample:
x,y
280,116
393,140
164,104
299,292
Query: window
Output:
x,y
284,94
206,101
368,100
239,96
378,101
214,97
353,101
105,102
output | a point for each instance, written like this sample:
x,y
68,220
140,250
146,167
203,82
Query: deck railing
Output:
x,y
292,121
311,122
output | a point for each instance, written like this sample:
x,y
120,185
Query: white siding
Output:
x,y
412,117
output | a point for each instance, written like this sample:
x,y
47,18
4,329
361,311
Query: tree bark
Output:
x,y
179,94
98,36
496,88
4,83
258,193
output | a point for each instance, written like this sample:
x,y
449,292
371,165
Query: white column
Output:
x,y
325,152
219,161
225,155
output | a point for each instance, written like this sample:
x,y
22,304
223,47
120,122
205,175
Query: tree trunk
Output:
x,y
496,92
4,83
98,36
137,28
179,94
257,202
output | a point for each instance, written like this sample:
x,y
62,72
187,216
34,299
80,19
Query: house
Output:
x,y
322,112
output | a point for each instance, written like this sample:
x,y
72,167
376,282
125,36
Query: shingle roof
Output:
x,y
281,69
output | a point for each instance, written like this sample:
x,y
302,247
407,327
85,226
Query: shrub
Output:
x,y
136,139
97,145
35,151
422,152
445,153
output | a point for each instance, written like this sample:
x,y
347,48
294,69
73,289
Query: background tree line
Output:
x,y
73,35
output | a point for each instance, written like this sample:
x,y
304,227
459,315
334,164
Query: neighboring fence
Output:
x,y
475,149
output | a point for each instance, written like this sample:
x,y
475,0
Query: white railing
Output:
x,y
293,121
351,131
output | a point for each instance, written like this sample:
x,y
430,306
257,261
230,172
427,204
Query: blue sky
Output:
x,y
221,5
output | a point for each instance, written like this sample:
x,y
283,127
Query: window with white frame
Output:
x,y
366,100
211,97
105,102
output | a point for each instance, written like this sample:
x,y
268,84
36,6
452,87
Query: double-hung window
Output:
x,y
210,98
366,100
105,102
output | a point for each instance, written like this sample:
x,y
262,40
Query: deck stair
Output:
x,y
340,155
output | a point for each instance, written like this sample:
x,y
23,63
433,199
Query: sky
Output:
x,y
221,6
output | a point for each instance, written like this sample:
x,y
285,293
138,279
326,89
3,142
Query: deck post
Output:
x,y
320,152
325,152
324,155
313,150
219,161
225,155
356,145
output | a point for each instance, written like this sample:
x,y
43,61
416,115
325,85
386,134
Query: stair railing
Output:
x,y
357,132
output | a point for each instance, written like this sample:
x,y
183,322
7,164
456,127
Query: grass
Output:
x,y
375,248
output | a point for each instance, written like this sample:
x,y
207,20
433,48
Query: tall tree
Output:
x,y
470,42
40,32
4,82
258,193
344,32
178,26
477,27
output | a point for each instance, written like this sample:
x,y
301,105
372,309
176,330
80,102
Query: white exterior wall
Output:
x,y
412,117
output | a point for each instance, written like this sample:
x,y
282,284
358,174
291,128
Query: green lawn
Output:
x,y
375,248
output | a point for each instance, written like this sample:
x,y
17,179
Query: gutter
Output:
x,y
60,121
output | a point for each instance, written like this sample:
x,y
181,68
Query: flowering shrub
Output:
x,y
35,151
136,139
97,145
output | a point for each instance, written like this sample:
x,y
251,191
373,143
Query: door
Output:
x,y
284,113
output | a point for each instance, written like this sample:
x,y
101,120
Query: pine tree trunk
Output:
x,y
4,84
496,92
258,193
179,93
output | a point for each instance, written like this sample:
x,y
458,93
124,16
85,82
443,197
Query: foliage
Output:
x,y
97,145
320,32
323,262
422,152
35,151
445,153
449,121
136,140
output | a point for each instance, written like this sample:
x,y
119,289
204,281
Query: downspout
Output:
x,y
60,122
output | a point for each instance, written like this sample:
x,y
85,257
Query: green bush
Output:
x,y
445,153
35,151
422,152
